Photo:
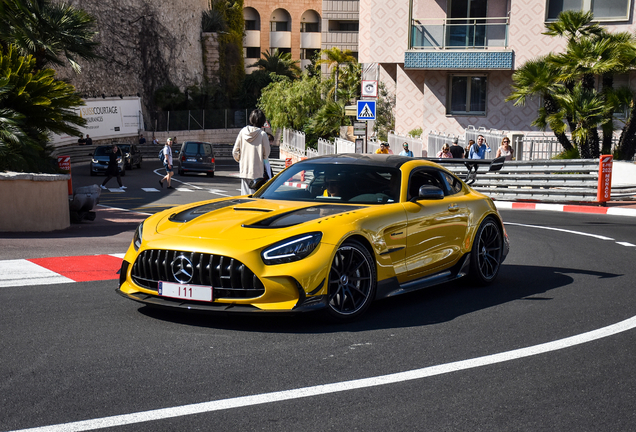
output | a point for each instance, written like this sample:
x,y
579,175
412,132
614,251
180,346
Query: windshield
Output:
x,y
103,151
359,184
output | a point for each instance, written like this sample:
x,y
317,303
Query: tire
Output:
x,y
352,281
181,172
210,174
139,164
487,251
93,173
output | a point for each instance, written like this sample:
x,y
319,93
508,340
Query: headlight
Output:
x,y
137,236
118,160
94,160
292,249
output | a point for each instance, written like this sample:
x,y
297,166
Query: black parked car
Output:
x,y
196,157
132,155
101,156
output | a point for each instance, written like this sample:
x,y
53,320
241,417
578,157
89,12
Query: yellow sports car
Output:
x,y
333,232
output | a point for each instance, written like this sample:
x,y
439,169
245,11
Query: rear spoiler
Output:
x,y
472,165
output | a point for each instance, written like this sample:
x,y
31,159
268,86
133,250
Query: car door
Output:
x,y
435,228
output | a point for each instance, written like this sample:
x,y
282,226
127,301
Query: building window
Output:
x,y
343,26
467,95
603,10
250,25
280,50
278,26
310,27
252,52
308,53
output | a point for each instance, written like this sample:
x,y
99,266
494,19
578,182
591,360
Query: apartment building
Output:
x,y
450,62
299,27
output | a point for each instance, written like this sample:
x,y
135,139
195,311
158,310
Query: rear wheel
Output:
x,y
352,281
210,174
487,252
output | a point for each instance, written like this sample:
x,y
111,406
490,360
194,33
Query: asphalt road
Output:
x,y
517,355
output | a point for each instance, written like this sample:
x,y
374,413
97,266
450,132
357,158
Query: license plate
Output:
x,y
185,291
191,159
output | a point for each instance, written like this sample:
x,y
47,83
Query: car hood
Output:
x,y
241,219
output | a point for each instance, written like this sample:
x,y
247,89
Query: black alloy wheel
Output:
x,y
352,281
486,255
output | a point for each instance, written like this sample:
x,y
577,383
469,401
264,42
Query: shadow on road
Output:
x,y
434,305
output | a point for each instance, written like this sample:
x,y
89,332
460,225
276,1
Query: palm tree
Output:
x,y
333,58
278,63
33,104
537,78
50,32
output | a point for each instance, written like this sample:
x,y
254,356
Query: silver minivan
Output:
x,y
196,157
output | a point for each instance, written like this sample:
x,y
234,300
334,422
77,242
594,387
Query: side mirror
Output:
x,y
257,183
430,192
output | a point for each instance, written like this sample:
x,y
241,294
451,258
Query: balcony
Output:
x,y
459,43
460,33
280,39
252,38
310,40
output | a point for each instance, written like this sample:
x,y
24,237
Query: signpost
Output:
x,y
64,163
365,110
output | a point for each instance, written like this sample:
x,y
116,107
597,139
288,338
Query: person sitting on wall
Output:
x,y
81,140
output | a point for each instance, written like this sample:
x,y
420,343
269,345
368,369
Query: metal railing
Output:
x,y
197,120
294,142
325,147
344,146
459,33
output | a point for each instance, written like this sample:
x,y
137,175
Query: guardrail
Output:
x,y
574,180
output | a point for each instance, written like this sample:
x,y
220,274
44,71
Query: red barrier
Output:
x,y
64,162
604,192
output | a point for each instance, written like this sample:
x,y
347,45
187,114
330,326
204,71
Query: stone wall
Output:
x,y
145,44
33,202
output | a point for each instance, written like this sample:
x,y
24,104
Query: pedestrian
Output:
x,y
114,158
250,150
505,149
89,140
406,151
468,147
142,140
479,149
81,140
445,153
383,149
388,147
167,164
456,150
155,141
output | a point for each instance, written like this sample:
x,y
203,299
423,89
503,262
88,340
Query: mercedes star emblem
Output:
x,y
182,269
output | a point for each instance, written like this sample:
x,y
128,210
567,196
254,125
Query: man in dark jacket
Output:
x,y
113,167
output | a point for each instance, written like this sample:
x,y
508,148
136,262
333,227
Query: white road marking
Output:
x,y
182,189
600,237
21,272
264,398
626,244
150,189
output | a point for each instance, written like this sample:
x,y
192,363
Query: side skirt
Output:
x,y
391,287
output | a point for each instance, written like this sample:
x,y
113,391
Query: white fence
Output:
x,y
325,147
344,146
416,144
436,141
293,142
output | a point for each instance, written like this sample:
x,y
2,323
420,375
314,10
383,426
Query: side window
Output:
x,y
206,149
421,178
454,184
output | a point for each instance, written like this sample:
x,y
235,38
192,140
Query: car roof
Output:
x,y
388,161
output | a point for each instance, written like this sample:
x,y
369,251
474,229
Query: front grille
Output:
x,y
229,277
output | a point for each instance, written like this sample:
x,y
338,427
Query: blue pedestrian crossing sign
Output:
x,y
365,110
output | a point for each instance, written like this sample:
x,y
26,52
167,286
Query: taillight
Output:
x,y
212,160
183,158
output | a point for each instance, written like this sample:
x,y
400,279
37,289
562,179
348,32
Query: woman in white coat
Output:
x,y
250,151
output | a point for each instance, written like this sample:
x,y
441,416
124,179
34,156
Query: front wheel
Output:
x,y
487,252
352,281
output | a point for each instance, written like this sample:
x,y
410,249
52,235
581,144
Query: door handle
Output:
x,y
453,207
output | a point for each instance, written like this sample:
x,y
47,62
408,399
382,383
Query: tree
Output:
x,y
51,32
291,104
385,117
32,104
567,84
333,58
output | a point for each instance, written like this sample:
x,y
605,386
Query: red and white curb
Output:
x,y
617,211
49,271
